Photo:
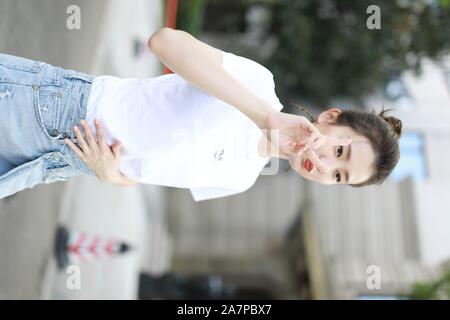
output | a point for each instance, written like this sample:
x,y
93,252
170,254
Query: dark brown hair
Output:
x,y
382,131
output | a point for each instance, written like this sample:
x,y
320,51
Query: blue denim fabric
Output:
x,y
39,105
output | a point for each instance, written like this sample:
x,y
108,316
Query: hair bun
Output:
x,y
395,124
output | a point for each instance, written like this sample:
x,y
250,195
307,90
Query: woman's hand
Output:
x,y
297,135
98,155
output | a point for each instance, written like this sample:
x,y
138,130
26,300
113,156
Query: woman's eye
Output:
x,y
340,149
338,176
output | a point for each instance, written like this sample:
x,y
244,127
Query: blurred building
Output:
x,y
247,239
295,239
289,238
400,227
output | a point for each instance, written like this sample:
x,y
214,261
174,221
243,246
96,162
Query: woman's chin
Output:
x,y
298,168
305,175
296,165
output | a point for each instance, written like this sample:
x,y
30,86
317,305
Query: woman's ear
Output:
x,y
329,115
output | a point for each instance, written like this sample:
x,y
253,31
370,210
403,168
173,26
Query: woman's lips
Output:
x,y
308,165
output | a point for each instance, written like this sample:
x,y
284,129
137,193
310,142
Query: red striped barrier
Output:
x,y
81,247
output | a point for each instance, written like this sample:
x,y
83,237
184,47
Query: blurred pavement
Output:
x,y
111,41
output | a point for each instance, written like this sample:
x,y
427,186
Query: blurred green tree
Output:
x,y
190,15
325,49
438,289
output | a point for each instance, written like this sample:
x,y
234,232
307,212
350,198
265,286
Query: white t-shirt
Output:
x,y
174,134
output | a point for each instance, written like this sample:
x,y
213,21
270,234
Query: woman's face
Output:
x,y
350,164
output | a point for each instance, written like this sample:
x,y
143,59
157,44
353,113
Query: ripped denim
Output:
x,y
39,105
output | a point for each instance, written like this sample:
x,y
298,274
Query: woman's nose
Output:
x,y
326,161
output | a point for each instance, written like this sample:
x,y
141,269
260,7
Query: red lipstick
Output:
x,y
308,165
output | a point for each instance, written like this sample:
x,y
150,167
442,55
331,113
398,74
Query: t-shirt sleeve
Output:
x,y
253,76
259,80
207,193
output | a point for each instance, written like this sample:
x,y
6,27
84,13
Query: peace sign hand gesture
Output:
x,y
297,135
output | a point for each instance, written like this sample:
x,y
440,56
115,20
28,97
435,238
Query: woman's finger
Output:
x,y
318,142
312,137
89,136
75,148
116,148
302,150
80,139
315,139
288,147
312,156
100,135
313,129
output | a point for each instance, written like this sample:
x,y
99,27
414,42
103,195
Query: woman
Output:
x,y
212,126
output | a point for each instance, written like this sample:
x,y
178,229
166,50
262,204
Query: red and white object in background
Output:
x,y
82,247
85,247
171,22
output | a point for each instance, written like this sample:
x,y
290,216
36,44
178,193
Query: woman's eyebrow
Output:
x,y
349,154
